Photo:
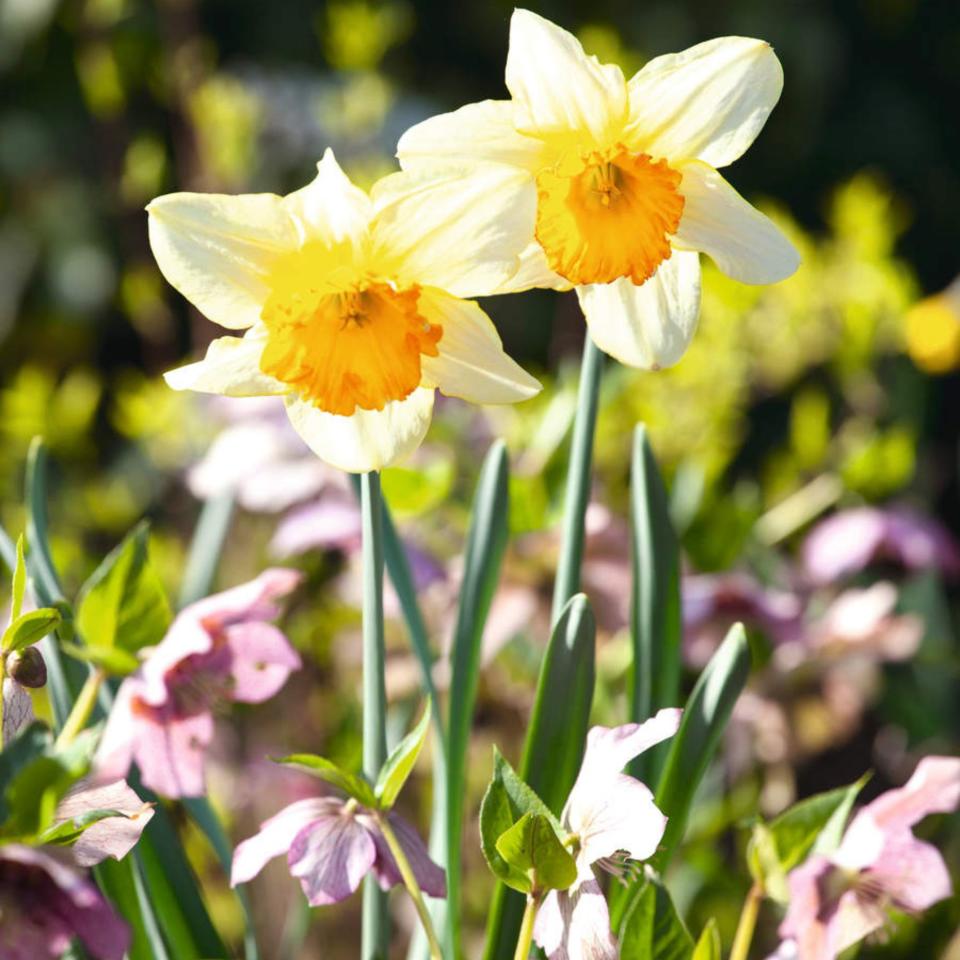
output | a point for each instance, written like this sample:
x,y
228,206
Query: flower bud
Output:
x,y
27,668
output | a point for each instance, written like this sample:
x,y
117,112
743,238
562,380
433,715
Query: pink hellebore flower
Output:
x,y
218,649
612,817
45,902
331,845
838,900
850,540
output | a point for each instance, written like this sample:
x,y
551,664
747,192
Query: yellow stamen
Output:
x,y
608,215
346,348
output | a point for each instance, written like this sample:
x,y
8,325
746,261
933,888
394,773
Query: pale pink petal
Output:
x,y
254,600
277,834
113,836
187,637
17,709
610,749
332,523
115,750
262,660
843,544
920,542
911,872
430,877
619,815
575,925
330,857
171,754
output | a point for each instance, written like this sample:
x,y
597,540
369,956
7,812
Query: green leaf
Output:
x,y
350,783
554,745
206,545
393,774
69,831
776,848
506,801
655,624
115,661
486,543
705,717
708,946
28,628
652,929
123,604
19,582
532,846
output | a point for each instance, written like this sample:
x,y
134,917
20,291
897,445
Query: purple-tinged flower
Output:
x,y
113,836
331,845
330,523
849,541
218,649
45,901
838,900
611,818
712,603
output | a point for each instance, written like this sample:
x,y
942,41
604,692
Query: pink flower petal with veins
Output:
x,y
262,660
330,857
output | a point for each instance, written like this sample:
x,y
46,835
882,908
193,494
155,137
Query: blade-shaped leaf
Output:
x,y
209,536
708,946
123,604
655,600
652,929
29,628
19,582
486,543
350,783
705,717
532,847
400,763
554,746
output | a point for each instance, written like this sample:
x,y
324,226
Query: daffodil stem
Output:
x,y
375,917
747,924
525,940
410,882
577,494
82,709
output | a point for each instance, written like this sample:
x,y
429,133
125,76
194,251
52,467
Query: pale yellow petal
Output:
x,y
534,271
218,250
330,208
471,363
369,439
707,103
744,244
557,89
648,326
457,227
231,367
479,131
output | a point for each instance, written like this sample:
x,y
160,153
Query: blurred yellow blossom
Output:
x,y
226,116
355,34
932,331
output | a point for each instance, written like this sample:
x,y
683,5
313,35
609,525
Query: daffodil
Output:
x,y
624,176
353,305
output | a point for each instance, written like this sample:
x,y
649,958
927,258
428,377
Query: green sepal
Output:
x,y
352,784
398,766
532,847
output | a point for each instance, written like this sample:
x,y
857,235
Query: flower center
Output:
x,y
607,215
347,348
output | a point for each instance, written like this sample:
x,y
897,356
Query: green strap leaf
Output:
x,y
209,536
123,604
19,582
652,928
704,718
350,783
532,847
29,628
554,745
655,621
486,543
400,763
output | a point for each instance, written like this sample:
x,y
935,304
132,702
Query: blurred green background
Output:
x,y
838,387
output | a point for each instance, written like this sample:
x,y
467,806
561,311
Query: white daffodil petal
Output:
x,y
218,250
707,103
471,363
557,88
534,271
746,245
478,131
460,228
330,208
648,326
368,439
231,367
